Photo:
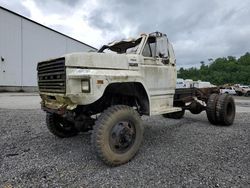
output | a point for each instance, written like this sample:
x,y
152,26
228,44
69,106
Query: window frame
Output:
x,y
147,43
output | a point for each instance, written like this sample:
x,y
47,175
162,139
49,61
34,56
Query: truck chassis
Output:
x,y
121,124
220,108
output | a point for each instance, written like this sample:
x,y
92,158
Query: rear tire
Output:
x,y
59,126
211,109
117,135
225,110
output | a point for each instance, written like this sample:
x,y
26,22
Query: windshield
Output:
x,y
125,46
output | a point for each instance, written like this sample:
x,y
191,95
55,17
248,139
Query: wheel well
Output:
x,y
129,93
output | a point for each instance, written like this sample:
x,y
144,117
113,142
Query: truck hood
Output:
x,y
100,60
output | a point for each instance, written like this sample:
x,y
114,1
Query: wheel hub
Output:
x,y
122,136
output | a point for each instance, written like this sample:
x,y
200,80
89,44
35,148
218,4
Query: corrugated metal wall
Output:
x,y
23,43
10,49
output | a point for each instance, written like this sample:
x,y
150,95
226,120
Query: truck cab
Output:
x,y
142,70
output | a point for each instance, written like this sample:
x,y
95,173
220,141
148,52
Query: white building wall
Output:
x,y
10,49
23,43
77,47
39,44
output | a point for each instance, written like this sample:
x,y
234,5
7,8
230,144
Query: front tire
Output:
x,y
60,127
117,135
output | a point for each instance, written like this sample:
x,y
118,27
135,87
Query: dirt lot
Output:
x,y
176,153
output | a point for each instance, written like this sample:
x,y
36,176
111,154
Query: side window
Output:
x,y
147,51
153,48
150,48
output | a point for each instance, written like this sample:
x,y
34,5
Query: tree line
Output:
x,y
224,70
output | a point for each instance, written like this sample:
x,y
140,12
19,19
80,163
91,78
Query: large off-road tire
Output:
x,y
211,109
175,115
117,135
60,127
225,110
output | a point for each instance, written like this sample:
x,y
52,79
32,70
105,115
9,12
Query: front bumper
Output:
x,y
56,102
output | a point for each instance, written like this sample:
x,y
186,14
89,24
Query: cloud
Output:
x,y
15,6
198,29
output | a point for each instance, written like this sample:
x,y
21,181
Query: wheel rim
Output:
x,y
122,136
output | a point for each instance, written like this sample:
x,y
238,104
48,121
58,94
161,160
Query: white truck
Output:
x,y
180,83
242,90
203,84
228,90
108,92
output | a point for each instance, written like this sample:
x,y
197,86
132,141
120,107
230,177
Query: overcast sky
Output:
x,y
198,29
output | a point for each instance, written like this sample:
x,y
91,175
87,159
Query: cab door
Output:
x,y
159,75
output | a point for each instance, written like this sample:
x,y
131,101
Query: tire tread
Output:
x,y
211,109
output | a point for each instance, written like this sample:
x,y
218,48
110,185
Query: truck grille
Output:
x,y
52,76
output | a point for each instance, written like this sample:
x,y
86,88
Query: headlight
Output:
x,y
85,86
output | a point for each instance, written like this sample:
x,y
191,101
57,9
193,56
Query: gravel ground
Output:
x,y
176,153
